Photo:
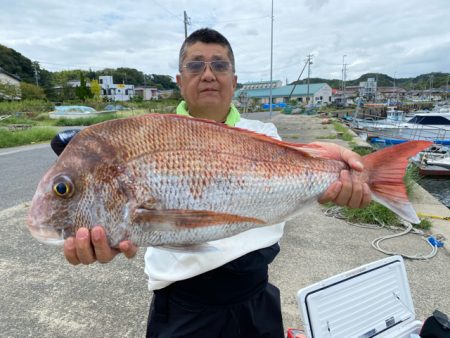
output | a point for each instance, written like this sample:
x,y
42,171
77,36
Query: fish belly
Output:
x,y
271,192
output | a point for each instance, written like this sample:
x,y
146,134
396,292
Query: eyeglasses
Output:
x,y
218,66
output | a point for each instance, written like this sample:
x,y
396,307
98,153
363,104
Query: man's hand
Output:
x,y
347,191
89,247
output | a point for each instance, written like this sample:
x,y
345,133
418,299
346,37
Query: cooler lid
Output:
x,y
362,303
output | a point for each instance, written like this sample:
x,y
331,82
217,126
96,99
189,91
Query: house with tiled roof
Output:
x,y
11,85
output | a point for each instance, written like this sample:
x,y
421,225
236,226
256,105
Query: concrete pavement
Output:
x,y
43,296
316,247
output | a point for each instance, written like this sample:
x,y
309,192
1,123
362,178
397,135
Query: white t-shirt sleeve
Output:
x,y
165,265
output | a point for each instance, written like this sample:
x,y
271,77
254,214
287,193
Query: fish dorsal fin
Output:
x,y
307,150
189,218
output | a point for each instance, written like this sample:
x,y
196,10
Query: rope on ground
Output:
x,y
376,245
336,211
445,218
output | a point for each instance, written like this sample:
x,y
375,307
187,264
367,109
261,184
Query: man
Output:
x,y
223,292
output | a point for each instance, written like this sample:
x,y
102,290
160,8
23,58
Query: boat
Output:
x,y
437,159
434,161
432,126
433,170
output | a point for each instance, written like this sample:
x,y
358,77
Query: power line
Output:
x,y
165,9
200,21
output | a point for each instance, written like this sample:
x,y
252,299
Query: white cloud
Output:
x,y
406,38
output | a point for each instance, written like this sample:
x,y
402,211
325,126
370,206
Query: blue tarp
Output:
x,y
274,105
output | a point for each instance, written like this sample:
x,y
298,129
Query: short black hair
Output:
x,y
205,35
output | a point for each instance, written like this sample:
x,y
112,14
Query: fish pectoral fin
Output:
x,y
189,218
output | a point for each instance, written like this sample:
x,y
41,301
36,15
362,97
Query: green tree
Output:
x,y
83,92
96,90
161,81
9,91
31,91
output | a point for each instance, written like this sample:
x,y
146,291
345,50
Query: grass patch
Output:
x,y
16,120
340,128
376,213
292,136
362,150
85,121
425,224
29,136
412,176
27,107
328,137
347,137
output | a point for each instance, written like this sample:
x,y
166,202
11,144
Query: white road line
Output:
x,y
24,148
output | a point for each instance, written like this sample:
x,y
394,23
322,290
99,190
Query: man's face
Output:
x,y
207,92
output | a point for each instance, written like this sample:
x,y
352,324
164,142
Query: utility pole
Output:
x,y
298,80
431,86
36,76
446,92
395,89
309,61
187,21
344,99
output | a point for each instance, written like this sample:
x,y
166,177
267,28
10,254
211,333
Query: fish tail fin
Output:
x,y
386,169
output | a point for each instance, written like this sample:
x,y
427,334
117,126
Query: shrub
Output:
x,y
33,135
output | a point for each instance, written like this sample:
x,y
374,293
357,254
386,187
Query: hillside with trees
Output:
x,y
31,73
424,81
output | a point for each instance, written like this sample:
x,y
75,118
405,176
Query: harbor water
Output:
x,y
438,187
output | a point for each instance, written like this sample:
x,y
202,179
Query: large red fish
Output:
x,y
173,180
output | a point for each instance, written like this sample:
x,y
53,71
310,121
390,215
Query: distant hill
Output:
x,y
17,64
419,82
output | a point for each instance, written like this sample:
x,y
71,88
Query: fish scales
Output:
x,y
164,180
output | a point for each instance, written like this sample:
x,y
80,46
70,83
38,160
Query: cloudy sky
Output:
x,y
401,38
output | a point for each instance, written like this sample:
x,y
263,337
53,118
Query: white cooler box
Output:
x,y
373,300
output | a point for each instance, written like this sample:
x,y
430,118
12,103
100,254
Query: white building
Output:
x,y
147,93
368,89
115,92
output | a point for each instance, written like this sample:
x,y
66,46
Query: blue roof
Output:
x,y
300,90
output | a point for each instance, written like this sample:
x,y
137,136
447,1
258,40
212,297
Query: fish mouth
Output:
x,y
48,235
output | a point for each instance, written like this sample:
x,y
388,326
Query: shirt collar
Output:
x,y
233,116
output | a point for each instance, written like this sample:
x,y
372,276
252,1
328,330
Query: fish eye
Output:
x,y
63,187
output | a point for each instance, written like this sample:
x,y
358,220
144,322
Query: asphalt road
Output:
x,y
20,171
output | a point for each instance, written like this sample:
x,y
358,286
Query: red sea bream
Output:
x,y
174,180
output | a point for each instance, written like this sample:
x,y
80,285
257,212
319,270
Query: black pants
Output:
x,y
232,301
258,316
